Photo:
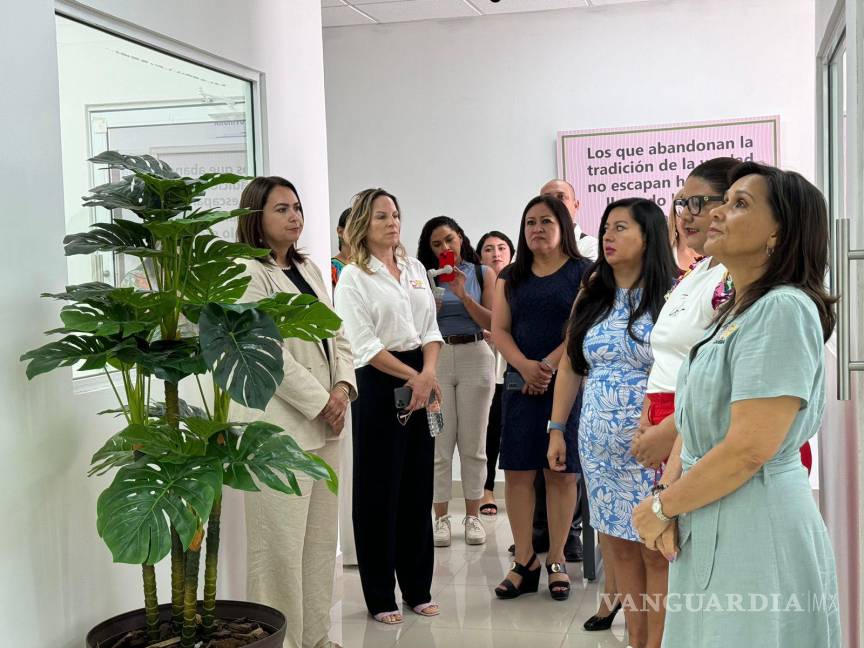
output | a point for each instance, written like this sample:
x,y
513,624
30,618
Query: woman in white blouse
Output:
x,y
688,311
388,309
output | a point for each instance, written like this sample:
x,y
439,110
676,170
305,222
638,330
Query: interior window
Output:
x,y
116,94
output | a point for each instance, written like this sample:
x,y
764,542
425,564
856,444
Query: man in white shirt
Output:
x,y
563,191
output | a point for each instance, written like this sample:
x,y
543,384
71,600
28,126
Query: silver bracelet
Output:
x,y
545,362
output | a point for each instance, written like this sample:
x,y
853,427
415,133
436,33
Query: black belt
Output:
x,y
463,339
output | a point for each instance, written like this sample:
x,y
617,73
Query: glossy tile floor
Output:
x,y
471,616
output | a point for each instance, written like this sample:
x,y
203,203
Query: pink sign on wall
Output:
x,y
654,161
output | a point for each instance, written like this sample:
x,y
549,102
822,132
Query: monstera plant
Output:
x,y
172,459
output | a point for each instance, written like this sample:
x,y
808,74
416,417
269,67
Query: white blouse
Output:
x,y
682,323
587,245
381,313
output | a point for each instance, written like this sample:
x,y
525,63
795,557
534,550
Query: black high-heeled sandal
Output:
x,y
560,590
530,580
601,623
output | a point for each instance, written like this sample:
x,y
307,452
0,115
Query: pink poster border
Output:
x,y
562,136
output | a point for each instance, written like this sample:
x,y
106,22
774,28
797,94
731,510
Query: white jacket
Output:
x,y
308,380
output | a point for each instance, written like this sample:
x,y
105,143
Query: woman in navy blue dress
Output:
x,y
533,299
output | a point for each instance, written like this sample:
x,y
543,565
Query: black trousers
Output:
x,y
493,438
541,523
392,492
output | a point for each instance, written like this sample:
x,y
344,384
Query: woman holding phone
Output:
x,y
384,299
466,368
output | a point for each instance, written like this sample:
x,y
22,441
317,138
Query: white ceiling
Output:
x,y
339,13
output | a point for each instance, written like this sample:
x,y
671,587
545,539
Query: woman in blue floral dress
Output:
x,y
608,350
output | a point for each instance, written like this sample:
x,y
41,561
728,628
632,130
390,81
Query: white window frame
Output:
x,y
70,9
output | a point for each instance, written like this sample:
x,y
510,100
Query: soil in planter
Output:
x,y
235,633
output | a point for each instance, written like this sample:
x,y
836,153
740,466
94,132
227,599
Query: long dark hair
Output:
x,y
498,235
520,268
598,291
800,258
250,228
424,248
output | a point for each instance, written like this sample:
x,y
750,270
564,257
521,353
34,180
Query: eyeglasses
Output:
x,y
694,204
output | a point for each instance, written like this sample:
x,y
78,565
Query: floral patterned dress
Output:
x,y
611,406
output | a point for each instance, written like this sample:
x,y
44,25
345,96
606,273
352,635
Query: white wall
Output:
x,y
459,117
56,576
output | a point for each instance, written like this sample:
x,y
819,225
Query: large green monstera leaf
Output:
x,y
244,349
272,457
94,352
153,190
213,275
120,236
300,316
135,513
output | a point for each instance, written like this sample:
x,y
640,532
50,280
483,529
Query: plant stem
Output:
x,y
203,398
151,602
190,598
139,414
146,274
172,404
211,567
117,394
221,404
178,573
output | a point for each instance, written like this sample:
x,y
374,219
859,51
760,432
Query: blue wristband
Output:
x,y
551,425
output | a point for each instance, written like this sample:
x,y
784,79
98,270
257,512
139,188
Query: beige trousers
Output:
x,y
466,373
291,554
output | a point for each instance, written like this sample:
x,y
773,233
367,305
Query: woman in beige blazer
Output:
x,y
291,541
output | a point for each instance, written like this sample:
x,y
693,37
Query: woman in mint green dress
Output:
x,y
752,563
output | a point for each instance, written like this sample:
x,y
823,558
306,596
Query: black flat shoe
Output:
x,y
560,590
530,580
573,549
601,623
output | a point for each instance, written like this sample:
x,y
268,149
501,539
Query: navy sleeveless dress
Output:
x,y
539,310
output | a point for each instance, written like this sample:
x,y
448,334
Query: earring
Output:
x,y
769,251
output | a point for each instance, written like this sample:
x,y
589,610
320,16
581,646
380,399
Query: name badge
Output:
x,y
417,283
725,333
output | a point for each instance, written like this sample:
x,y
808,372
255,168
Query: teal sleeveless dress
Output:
x,y
756,567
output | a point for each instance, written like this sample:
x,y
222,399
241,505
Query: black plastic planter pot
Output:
x,y
269,618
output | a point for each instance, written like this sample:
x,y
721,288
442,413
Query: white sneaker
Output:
x,y
441,535
475,534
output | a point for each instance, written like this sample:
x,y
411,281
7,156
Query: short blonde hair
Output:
x,y
357,228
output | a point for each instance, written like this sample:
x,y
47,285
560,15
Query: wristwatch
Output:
x,y
551,425
657,507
